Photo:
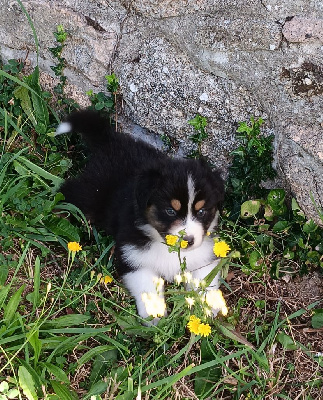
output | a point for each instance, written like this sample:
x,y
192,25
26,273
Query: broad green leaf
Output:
x,y
57,372
11,307
102,364
286,341
62,227
256,260
281,226
250,208
4,386
12,394
276,197
317,319
39,106
4,270
310,226
22,93
63,391
96,389
126,395
57,181
206,378
26,383
93,353
68,320
3,294
229,331
36,344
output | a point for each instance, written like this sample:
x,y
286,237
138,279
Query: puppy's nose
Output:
x,y
189,239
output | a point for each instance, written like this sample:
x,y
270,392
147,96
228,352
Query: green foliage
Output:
x,y
251,165
64,104
103,102
58,321
275,238
271,234
199,123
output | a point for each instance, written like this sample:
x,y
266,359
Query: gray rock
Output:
x,y
226,60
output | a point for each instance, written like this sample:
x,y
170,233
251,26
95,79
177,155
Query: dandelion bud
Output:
x,y
187,277
92,274
190,301
196,282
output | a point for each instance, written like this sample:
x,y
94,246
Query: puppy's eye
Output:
x,y
201,213
170,212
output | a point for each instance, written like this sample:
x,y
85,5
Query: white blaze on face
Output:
x,y
191,225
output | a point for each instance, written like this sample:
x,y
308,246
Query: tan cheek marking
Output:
x,y
176,204
199,205
152,219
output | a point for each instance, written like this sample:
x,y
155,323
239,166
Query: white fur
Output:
x,y
139,282
191,226
63,127
155,260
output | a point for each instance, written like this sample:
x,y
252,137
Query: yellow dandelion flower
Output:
x,y
190,301
184,244
155,304
74,246
204,329
106,279
171,240
208,233
215,299
193,324
221,249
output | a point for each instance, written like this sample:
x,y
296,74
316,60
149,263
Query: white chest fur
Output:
x,y
158,259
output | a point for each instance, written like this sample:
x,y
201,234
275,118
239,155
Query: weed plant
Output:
x,y
68,330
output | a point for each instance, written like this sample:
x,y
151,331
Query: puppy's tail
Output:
x,y
94,128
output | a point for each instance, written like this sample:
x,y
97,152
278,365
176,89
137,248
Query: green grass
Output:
x,y
66,335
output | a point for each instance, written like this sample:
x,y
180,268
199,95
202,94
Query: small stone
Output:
x,y
204,97
133,88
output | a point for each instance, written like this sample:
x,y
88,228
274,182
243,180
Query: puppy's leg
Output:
x,y
141,282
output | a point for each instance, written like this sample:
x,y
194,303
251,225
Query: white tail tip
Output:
x,y
63,127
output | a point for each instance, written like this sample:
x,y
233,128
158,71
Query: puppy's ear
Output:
x,y
146,183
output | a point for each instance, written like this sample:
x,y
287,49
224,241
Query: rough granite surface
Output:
x,y
226,60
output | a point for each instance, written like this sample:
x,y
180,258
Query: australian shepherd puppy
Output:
x,y
139,195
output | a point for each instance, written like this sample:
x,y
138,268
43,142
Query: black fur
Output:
x,y
127,185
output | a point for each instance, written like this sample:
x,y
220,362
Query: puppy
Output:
x,y
139,195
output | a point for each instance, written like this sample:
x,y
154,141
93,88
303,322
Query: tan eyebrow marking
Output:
x,y
176,204
199,205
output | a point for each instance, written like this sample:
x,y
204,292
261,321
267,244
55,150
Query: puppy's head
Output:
x,y
182,195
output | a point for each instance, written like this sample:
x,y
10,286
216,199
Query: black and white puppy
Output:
x,y
139,195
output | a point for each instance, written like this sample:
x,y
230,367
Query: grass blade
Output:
x,y
36,283
11,307
26,383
